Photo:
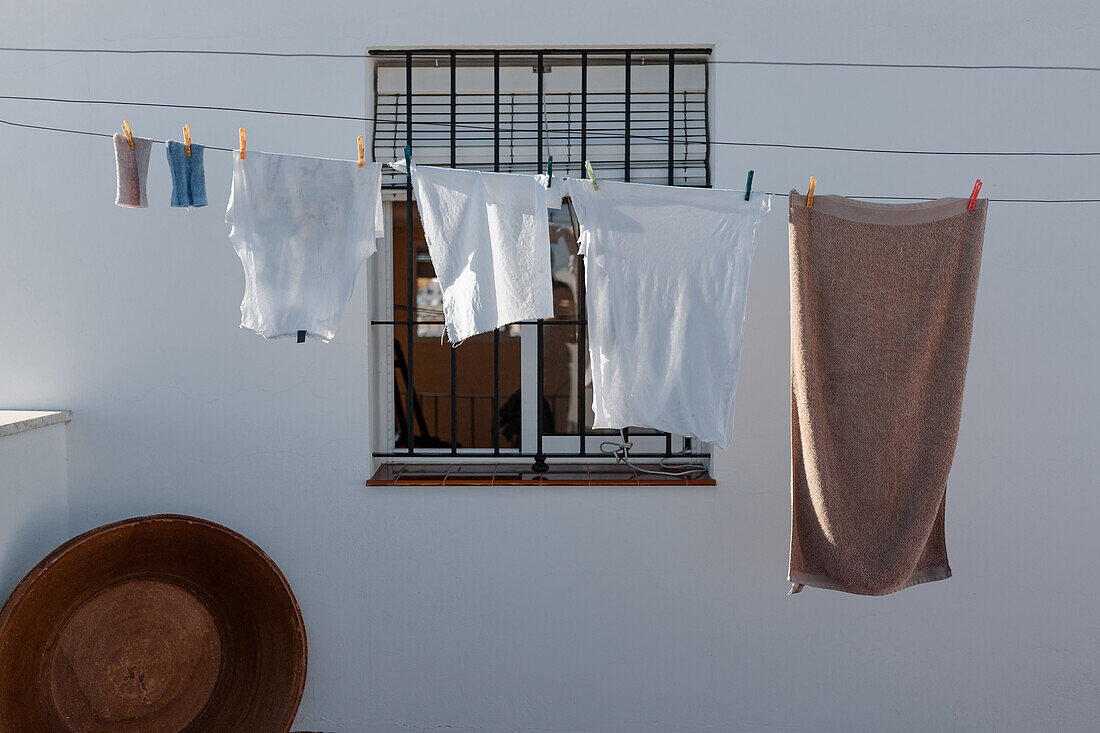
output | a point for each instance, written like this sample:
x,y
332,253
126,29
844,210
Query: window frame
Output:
x,y
543,449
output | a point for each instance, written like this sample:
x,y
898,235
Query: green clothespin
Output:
x,y
409,160
748,186
591,176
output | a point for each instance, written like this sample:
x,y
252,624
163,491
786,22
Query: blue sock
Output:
x,y
188,174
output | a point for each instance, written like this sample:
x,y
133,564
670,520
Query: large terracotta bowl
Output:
x,y
152,625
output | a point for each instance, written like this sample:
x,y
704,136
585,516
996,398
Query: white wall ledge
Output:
x,y
20,421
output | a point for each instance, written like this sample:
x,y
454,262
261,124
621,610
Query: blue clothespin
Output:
x,y
748,186
409,160
591,176
549,170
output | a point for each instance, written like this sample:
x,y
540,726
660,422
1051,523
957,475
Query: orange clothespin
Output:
x,y
360,141
187,140
128,133
244,136
974,195
810,193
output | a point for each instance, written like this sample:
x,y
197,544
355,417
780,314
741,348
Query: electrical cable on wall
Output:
x,y
666,467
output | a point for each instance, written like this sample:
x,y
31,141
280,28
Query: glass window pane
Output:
x,y
475,418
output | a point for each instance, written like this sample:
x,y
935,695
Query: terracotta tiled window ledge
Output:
x,y
513,474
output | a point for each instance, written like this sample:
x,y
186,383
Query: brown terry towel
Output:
x,y
882,304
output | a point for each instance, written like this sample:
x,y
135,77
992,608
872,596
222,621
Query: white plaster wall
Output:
x,y
34,500
610,610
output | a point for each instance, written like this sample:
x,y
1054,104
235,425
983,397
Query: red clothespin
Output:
x,y
974,195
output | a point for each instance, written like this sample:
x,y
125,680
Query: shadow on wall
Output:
x,y
26,545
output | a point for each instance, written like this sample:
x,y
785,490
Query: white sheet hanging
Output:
x,y
666,276
489,240
302,227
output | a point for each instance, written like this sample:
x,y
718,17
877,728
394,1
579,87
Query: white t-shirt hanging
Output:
x,y
489,238
666,277
302,227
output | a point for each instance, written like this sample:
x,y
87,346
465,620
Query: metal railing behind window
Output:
x,y
462,131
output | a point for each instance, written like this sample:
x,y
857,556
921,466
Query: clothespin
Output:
x,y
187,140
748,186
974,195
128,133
592,176
359,140
810,193
549,170
244,136
408,160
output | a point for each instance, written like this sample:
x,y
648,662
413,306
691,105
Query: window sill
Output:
x,y
511,474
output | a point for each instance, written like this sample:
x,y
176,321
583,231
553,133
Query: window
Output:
x,y
523,393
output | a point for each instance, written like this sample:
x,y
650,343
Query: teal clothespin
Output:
x,y
550,170
748,186
591,175
409,159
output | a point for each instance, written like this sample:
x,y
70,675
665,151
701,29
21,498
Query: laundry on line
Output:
x,y
666,281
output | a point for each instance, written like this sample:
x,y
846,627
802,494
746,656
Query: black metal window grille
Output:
x,y
642,135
